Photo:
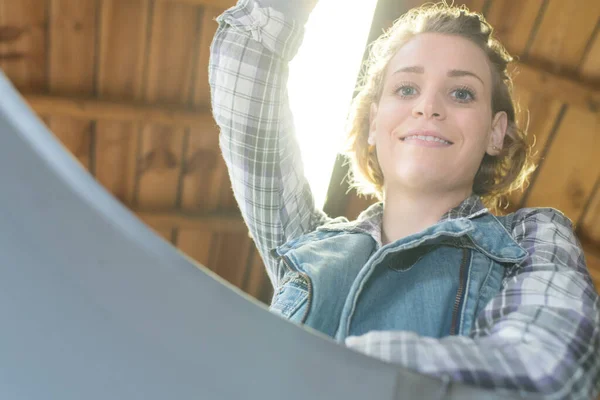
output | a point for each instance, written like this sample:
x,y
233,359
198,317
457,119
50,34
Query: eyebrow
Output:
x,y
453,73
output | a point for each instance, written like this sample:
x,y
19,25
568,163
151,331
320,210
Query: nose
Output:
x,y
429,106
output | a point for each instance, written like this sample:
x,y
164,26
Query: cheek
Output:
x,y
390,115
474,125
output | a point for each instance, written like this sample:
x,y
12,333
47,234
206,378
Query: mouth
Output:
x,y
423,137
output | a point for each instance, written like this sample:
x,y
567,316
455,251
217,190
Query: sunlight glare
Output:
x,y
322,79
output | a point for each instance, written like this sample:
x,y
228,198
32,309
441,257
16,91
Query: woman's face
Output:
x,y
434,121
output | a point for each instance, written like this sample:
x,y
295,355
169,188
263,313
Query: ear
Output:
x,y
499,126
372,123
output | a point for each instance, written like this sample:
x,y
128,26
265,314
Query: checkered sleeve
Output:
x,y
248,73
539,336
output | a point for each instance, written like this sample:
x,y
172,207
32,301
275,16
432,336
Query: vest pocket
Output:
x,y
291,296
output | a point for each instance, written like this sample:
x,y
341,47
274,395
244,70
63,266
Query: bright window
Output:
x,y
322,80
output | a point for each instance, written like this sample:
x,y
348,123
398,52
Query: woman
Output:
x,y
428,278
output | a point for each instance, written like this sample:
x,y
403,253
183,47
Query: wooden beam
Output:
x,y
216,222
94,109
557,87
552,86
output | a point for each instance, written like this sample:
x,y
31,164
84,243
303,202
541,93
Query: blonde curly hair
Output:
x,y
497,175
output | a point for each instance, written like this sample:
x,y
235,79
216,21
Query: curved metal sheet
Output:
x,y
95,306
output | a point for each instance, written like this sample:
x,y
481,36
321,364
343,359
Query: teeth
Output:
x,y
427,138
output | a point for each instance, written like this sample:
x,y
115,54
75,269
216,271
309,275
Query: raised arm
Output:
x,y
248,74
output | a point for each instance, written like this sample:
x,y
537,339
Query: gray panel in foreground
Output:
x,y
95,306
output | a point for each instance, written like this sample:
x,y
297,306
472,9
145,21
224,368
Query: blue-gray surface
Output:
x,y
95,306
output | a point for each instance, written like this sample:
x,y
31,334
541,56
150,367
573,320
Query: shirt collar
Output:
x,y
370,220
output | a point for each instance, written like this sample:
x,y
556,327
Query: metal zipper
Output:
x,y
308,283
459,292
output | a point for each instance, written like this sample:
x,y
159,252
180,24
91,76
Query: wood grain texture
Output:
x,y
257,283
204,169
563,35
169,76
557,87
538,114
27,71
208,27
124,111
590,224
513,22
73,47
71,68
74,134
123,46
230,256
592,259
569,172
230,222
116,151
196,243
204,174
589,69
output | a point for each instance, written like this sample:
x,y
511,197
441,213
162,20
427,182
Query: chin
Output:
x,y
421,178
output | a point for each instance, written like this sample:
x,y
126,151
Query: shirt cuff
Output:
x,y
299,10
276,31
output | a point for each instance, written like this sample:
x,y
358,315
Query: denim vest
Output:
x,y
338,280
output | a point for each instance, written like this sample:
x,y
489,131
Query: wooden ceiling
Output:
x,y
124,85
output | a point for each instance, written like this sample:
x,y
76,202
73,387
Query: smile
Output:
x,y
426,139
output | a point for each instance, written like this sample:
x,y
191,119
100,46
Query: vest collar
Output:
x,y
469,224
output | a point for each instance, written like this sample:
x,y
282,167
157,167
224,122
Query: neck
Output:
x,y
406,213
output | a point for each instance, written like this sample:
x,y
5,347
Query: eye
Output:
x,y
463,95
405,90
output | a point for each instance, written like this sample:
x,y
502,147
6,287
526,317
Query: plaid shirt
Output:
x,y
540,334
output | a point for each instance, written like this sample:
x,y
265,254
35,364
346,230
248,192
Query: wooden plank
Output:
x,y
74,135
257,283
204,170
231,256
158,167
123,28
568,174
71,68
89,108
27,71
169,78
123,45
206,222
563,35
196,243
116,149
72,43
538,114
513,21
589,70
592,259
557,87
172,53
590,225
208,27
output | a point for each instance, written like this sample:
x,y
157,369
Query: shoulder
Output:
x,y
548,236
536,220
